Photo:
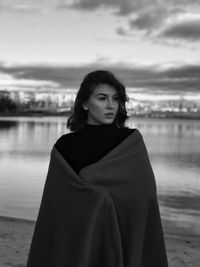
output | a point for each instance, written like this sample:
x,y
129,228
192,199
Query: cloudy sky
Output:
x,y
153,46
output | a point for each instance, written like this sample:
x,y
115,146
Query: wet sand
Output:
x,y
15,237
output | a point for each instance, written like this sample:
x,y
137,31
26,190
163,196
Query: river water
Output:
x,y
174,151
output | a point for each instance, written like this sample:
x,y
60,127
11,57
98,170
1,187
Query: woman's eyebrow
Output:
x,y
104,94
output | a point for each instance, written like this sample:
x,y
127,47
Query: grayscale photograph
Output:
x,y
99,133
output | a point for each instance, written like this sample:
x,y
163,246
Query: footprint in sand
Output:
x,y
178,262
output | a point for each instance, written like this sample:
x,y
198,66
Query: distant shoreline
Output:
x,y
33,114
13,219
154,115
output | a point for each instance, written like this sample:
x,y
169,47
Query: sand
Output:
x,y
16,234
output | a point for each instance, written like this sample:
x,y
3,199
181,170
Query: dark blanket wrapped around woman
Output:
x,y
107,215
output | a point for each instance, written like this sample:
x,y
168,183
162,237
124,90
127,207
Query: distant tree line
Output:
x,y
7,104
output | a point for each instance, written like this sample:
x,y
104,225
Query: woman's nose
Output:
x,y
110,104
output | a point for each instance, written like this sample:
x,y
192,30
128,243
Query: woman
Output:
x,y
99,206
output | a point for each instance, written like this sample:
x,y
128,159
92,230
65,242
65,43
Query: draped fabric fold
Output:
x,y
105,216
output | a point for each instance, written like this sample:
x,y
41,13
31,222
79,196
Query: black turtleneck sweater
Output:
x,y
87,146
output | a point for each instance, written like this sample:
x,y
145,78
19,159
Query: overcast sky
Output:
x,y
151,45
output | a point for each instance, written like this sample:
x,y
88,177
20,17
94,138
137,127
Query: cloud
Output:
x,y
119,7
91,5
8,81
156,20
153,79
188,30
149,20
164,28
22,6
145,23
121,31
65,77
19,9
126,7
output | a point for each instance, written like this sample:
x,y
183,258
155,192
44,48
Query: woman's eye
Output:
x,y
101,98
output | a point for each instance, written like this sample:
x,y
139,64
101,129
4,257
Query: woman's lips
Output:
x,y
109,114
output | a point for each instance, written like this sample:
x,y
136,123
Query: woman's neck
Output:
x,y
99,126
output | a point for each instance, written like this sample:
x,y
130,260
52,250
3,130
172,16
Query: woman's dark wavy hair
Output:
x,y
78,118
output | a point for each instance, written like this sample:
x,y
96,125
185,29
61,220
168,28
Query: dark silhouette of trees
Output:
x,y
7,104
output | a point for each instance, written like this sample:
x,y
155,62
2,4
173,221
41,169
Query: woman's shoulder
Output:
x,y
127,130
65,139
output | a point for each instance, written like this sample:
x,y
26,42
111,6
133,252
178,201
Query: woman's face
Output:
x,y
102,105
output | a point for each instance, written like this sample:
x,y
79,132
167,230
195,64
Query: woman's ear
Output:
x,y
84,106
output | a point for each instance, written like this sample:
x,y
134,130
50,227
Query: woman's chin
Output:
x,y
104,120
108,120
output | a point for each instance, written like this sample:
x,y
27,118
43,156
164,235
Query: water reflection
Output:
x,y
182,202
178,128
183,160
6,125
26,142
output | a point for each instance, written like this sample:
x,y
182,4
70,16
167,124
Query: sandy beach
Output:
x,y
16,234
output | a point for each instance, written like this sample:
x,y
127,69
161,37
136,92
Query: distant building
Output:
x,y
64,99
